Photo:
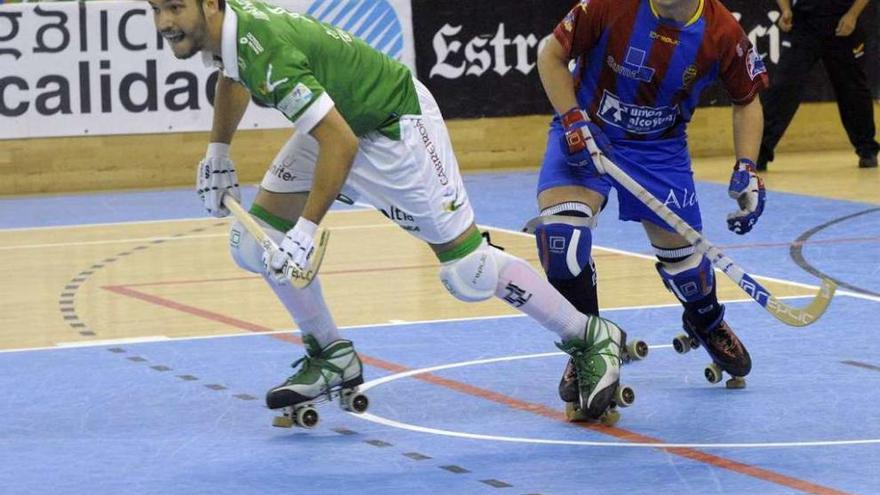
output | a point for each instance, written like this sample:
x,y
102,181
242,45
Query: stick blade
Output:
x,y
801,317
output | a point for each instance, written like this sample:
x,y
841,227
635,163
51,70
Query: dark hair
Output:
x,y
221,4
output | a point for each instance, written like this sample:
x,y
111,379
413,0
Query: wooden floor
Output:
x,y
87,283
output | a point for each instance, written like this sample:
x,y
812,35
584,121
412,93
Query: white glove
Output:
x,y
215,177
295,249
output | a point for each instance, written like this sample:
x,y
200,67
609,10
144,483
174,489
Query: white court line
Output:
x,y
359,209
504,438
165,238
391,323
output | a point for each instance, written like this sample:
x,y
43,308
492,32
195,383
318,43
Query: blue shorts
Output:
x,y
661,167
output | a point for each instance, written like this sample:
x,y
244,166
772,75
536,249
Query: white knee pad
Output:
x,y
245,250
474,277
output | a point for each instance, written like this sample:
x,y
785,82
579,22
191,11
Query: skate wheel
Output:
x,y
282,422
610,418
574,414
307,417
681,343
637,350
713,373
355,402
736,382
624,396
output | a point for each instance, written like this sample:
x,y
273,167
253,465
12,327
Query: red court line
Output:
x,y
539,409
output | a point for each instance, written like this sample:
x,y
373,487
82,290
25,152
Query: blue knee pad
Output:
x,y
691,285
564,249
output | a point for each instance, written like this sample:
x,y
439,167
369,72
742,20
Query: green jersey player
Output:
x,y
365,128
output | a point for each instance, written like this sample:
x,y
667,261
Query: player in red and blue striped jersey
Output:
x,y
639,69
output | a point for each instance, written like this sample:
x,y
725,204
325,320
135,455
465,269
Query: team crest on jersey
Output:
x,y
755,64
296,100
568,20
636,119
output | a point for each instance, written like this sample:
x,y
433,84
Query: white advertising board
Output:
x,y
100,68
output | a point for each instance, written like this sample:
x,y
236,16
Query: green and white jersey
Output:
x,y
303,67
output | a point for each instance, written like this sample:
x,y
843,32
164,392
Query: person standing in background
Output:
x,y
826,30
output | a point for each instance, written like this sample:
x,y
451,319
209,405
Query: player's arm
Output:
x,y
337,145
748,127
553,63
216,174
230,102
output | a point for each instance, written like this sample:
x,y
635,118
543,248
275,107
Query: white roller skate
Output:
x,y
324,375
596,360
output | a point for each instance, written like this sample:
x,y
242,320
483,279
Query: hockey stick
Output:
x,y
790,315
298,278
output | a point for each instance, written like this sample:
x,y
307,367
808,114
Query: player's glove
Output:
x,y
748,191
584,142
216,177
296,248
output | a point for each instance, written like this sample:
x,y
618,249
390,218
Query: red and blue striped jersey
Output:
x,y
639,76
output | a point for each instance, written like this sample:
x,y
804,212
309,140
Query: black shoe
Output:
x,y
868,162
763,158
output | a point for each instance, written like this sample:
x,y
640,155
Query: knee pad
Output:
x,y
565,240
245,250
691,280
473,277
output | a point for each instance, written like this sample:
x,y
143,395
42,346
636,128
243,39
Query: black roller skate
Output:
x,y
591,386
327,374
726,350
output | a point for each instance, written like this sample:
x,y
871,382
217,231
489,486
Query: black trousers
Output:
x,y
812,38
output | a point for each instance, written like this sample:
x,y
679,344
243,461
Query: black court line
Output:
x,y
859,364
66,299
797,254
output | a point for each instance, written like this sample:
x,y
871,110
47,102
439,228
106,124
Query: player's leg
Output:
x,y
330,360
687,274
691,278
472,269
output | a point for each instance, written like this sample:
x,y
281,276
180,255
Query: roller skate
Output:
x,y
327,374
591,386
727,352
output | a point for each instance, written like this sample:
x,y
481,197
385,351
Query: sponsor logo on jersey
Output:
x,y
665,39
633,67
250,40
296,100
269,85
636,119
401,218
755,64
381,28
280,171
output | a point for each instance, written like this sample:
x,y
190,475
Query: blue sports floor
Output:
x,y
469,406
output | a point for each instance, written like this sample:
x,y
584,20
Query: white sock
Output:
x,y
520,286
308,309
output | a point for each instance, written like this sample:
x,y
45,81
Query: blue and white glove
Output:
x,y
747,188
295,249
215,177
584,142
